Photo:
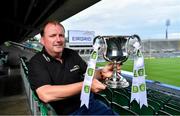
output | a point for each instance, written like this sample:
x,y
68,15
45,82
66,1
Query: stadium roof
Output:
x,y
21,19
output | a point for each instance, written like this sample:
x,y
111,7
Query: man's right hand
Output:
x,y
107,71
97,86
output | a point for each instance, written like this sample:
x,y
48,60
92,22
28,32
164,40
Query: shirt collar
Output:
x,y
47,57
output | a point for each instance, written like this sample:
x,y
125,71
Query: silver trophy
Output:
x,y
116,49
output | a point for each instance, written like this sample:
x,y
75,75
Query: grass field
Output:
x,y
165,70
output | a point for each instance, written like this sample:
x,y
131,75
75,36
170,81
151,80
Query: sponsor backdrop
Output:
x,y
81,38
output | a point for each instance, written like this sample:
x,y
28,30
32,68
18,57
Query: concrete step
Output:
x,y
14,105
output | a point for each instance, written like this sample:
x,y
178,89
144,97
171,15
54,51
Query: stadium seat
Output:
x,y
161,112
173,106
46,109
159,95
154,104
40,108
123,91
24,64
122,111
121,99
171,110
159,101
36,106
175,102
108,93
103,99
175,98
147,110
134,106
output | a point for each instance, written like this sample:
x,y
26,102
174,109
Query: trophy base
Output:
x,y
117,84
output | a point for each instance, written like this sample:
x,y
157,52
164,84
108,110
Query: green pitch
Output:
x,y
164,70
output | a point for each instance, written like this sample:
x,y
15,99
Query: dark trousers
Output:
x,y
96,107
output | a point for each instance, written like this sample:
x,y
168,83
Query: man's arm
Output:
x,y
48,93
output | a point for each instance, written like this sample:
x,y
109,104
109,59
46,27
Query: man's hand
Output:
x,y
107,71
97,86
119,68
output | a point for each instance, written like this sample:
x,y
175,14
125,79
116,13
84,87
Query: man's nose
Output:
x,y
58,38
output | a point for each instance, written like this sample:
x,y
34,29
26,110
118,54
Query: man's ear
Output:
x,y
42,40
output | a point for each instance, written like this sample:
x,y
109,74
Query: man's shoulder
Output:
x,y
71,51
37,56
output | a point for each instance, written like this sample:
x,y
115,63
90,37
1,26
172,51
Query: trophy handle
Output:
x,y
138,38
134,43
98,41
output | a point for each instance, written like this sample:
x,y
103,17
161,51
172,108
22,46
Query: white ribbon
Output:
x,y
86,88
138,91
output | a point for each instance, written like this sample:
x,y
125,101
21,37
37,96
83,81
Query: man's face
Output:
x,y
53,39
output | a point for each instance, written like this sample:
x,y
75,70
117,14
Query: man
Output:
x,y
56,75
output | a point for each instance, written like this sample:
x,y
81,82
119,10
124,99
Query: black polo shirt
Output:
x,y
46,70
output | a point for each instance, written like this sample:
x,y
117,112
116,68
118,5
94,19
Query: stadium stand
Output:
x,y
161,48
108,94
158,104
103,98
121,99
121,110
162,99
161,112
134,106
